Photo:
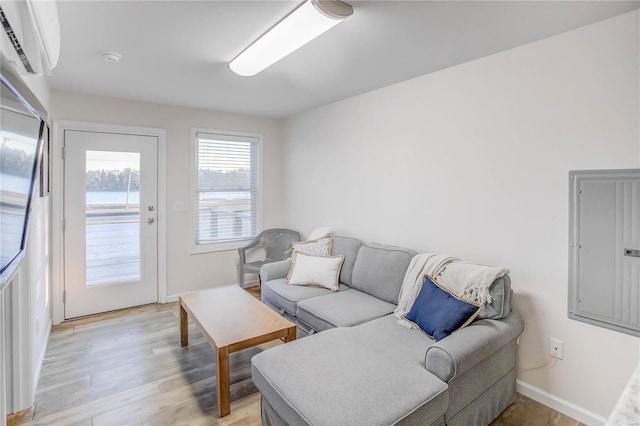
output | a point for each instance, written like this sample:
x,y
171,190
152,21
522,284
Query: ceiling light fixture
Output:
x,y
308,21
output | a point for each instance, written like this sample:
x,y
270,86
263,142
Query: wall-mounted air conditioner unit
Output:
x,y
31,35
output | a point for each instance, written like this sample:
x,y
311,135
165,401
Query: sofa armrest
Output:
x,y
455,354
274,270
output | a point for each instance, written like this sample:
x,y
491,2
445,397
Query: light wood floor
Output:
x,y
127,367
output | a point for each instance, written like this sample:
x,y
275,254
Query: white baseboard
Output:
x,y
174,297
563,406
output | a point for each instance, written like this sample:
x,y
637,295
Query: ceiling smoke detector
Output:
x,y
111,57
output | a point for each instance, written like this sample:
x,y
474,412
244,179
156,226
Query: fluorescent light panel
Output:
x,y
307,22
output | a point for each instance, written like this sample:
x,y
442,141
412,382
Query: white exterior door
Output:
x,y
110,212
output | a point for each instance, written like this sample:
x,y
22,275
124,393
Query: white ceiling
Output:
x,y
176,52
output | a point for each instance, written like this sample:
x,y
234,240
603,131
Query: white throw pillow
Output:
x,y
319,247
323,271
325,231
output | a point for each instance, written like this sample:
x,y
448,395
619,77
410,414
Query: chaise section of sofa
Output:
x,y
362,375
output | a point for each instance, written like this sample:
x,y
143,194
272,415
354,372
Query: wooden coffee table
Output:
x,y
231,320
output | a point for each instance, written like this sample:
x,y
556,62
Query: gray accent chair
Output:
x,y
276,243
360,367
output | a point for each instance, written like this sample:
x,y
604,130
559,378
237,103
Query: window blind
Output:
x,y
226,188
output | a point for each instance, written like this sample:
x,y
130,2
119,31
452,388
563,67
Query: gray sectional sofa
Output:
x,y
363,368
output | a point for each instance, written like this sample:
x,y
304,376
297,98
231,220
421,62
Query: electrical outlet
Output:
x,y
556,348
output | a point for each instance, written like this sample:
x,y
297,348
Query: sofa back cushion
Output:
x,y
347,247
379,270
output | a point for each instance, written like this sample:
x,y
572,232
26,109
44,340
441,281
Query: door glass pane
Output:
x,y
112,217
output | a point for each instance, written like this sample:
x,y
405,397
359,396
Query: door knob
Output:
x,y
150,220
151,208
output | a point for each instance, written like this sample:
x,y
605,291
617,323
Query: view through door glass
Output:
x,y
112,217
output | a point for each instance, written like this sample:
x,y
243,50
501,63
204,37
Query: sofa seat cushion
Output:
x,y
344,376
342,309
285,296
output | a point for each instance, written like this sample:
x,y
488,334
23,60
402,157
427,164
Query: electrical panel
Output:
x,y
604,248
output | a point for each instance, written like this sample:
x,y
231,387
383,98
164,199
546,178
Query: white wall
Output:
x,y
40,87
27,301
186,272
473,161
38,252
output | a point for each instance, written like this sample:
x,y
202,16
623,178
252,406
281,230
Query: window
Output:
x,y
226,188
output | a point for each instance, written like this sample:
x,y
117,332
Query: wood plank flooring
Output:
x,y
127,367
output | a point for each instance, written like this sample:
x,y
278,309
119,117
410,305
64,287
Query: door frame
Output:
x,y
57,203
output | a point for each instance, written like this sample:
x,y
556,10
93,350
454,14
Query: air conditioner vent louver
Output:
x,y
15,42
31,40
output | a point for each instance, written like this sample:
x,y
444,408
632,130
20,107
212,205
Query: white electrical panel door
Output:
x,y
604,248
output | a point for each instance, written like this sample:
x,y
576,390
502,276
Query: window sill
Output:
x,y
216,247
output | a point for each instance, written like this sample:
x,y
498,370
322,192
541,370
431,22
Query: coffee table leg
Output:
x,y
291,334
184,327
222,381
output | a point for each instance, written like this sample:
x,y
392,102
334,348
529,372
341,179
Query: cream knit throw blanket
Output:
x,y
421,264
471,281
468,281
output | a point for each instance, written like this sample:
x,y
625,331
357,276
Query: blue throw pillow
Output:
x,y
439,313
